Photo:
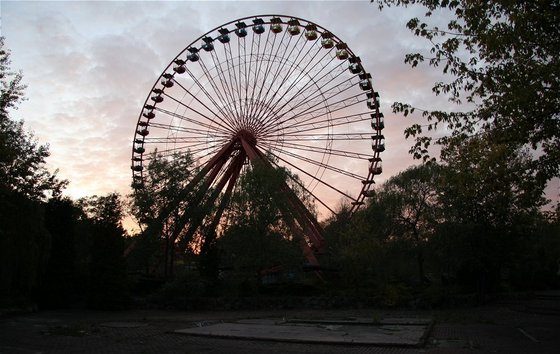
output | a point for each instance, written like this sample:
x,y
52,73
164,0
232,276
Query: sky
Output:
x,y
89,65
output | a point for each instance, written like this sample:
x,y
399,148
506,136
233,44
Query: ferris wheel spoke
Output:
x,y
297,98
193,121
243,80
220,94
313,177
314,103
258,60
182,129
225,118
314,125
236,95
333,136
225,77
315,113
303,187
321,65
302,78
303,106
181,140
226,128
317,149
204,154
169,152
258,80
319,163
269,80
279,79
224,83
323,94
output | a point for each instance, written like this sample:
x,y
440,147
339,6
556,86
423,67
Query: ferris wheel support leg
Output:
x,y
311,229
156,225
236,167
199,204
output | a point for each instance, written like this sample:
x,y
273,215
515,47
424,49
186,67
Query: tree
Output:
x,y
491,201
355,248
24,183
164,181
503,59
157,204
24,249
412,204
489,183
22,159
259,236
108,281
61,283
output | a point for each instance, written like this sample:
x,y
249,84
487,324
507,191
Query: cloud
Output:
x,y
90,66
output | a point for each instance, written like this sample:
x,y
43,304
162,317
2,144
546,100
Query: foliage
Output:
x,y
50,246
470,225
355,248
489,183
157,205
24,183
108,286
259,237
61,284
24,249
106,210
261,197
164,181
22,159
411,201
503,60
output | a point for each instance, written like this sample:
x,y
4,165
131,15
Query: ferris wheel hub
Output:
x,y
248,135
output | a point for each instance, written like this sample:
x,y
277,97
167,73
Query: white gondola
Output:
x,y
365,84
258,28
224,35
193,56
355,68
327,43
377,124
208,45
167,82
372,103
179,67
143,132
241,31
378,143
375,167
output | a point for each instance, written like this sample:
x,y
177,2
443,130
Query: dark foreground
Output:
x,y
520,326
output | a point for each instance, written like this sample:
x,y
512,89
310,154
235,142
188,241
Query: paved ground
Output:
x,y
516,327
344,331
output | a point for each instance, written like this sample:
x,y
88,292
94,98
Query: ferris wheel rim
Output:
x,y
374,160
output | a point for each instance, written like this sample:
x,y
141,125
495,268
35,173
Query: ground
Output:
x,y
518,326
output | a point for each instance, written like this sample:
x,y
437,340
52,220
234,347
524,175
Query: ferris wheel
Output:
x,y
275,89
